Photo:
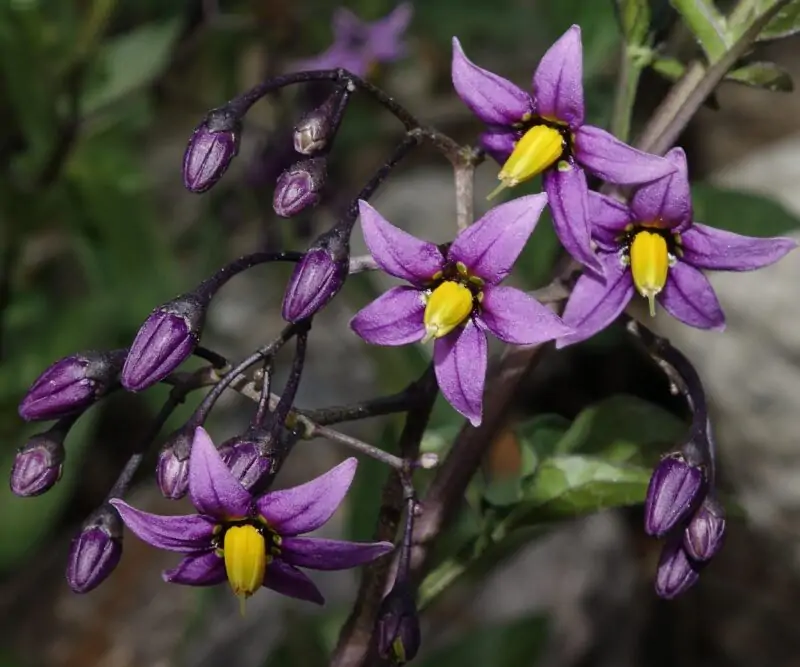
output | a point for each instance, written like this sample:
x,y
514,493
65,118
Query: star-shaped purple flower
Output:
x,y
359,46
544,132
455,297
252,541
653,247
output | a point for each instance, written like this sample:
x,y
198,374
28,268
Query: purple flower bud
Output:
x,y
676,489
95,551
705,533
316,129
211,149
677,573
250,457
318,277
71,385
398,625
172,468
164,341
299,187
38,464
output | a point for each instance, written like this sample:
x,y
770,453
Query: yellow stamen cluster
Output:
x,y
448,306
245,553
539,148
649,265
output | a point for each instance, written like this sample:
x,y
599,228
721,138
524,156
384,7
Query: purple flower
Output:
x,y
652,246
455,297
544,132
252,540
359,46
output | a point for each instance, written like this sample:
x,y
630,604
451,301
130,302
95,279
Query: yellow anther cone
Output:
x,y
649,265
245,554
448,306
539,148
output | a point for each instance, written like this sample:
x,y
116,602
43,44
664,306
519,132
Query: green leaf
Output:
x,y
741,212
763,75
706,24
509,644
634,20
785,24
570,486
131,62
619,427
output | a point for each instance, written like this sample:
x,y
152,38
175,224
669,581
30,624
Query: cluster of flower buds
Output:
x,y
681,507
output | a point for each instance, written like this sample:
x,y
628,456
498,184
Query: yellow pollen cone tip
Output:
x,y
539,148
503,185
649,262
245,554
652,299
448,306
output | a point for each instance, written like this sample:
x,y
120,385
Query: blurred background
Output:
x,y
97,101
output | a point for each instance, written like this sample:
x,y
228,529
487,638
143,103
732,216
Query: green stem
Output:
x,y
630,70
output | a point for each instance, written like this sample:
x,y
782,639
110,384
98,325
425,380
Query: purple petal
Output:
x,y
346,24
499,143
288,580
689,297
460,362
394,318
397,252
569,205
183,534
304,508
338,55
667,200
616,162
490,247
385,34
212,487
518,318
597,301
205,569
709,248
323,554
608,218
493,99
558,80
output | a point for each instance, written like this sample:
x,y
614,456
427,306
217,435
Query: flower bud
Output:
x,y
71,385
167,337
318,277
250,458
398,625
95,551
316,129
299,187
703,537
676,489
38,464
677,573
211,149
172,468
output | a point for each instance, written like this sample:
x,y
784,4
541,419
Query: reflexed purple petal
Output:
x,y
322,554
668,199
689,297
304,508
212,487
596,302
385,34
709,248
558,80
346,24
516,317
205,569
171,533
397,252
493,99
608,218
616,162
490,247
569,205
394,318
288,580
460,362
499,143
